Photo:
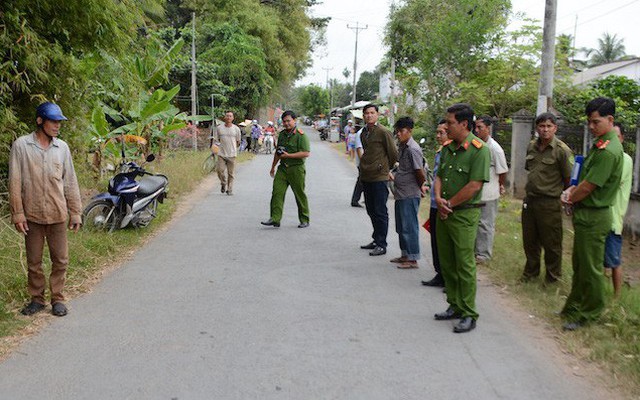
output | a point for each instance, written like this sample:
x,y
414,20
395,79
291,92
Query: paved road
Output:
x,y
219,307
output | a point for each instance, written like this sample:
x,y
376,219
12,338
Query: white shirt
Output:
x,y
491,189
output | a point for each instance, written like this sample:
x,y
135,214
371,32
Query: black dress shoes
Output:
x,y
303,225
465,325
447,315
378,251
356,205
271,222
369,246
437,281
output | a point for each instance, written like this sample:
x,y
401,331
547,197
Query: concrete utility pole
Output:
x,y
326,86
355,60
392,97
545,89
194,90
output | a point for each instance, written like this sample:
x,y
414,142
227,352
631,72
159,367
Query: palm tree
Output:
x,y
610,48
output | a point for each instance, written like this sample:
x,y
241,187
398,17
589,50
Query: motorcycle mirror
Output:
x,y
150,158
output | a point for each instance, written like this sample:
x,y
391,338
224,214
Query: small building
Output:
x,y
629,68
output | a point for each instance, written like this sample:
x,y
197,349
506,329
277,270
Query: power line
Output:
x,y
602,15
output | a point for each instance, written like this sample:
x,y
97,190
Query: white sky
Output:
x,y
594,18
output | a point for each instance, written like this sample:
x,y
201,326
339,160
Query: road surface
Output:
x,y
220,307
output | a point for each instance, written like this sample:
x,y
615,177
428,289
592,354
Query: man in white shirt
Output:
x,y
229,136
491,191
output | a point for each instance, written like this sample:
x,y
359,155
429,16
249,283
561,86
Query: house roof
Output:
x,y
601,71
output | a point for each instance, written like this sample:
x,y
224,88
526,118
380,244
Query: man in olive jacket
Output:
x,y
380,154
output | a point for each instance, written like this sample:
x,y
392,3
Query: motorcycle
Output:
x,y
128,201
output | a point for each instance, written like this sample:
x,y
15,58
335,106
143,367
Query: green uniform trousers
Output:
x,y
456,237
542,228
289,176
586,300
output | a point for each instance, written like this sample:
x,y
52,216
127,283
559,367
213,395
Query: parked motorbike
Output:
x,y
128,201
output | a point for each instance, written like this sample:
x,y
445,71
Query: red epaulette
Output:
x,y
602,144
300,131
477,143
465,145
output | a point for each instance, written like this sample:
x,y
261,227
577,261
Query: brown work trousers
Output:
x,y
226,166
542,229
56,237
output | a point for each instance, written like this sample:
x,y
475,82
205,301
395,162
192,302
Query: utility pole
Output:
x,y
326,86
355,59
392,97
545,89
194,90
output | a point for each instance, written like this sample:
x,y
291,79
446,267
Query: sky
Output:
x,y
594,18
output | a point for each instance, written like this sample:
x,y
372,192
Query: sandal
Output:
x,y
399,260
408,265
59,309
32,308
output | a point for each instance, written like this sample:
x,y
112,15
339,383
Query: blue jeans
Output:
x,y
375,200
408,228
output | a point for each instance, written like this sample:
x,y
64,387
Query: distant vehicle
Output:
x,y
322,126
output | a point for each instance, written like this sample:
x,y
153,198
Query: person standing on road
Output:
x,y
348,130
43,195
379,156
549,162
357,189
293,148
591,200
229,136
408,188
491,191
438,280
256,132
464,167
613,243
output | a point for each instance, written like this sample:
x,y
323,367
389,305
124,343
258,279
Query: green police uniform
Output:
x,y
549,168
291,172
456,235
592,223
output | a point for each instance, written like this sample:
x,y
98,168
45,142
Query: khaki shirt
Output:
x,y
379,154
603,168
462,164
549,169
228,137
43,187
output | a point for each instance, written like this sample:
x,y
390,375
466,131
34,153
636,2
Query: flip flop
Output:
x,y
408,265
399,260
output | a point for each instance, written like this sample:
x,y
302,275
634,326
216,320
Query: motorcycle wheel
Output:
x,y
100,216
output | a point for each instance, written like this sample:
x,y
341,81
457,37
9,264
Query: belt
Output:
x,y
468,206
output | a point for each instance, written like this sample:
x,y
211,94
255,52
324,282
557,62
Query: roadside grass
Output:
x,y
613,342
92,253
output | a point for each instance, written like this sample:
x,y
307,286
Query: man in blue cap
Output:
x,y
43,196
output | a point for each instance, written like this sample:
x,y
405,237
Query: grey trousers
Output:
x,y
486,230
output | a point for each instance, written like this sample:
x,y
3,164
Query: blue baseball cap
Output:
x,y
50,111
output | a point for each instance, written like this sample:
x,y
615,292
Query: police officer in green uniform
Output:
x,y
293,148
591,201
464,167
549,163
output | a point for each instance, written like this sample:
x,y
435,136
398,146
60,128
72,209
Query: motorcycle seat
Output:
x,y
150,184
